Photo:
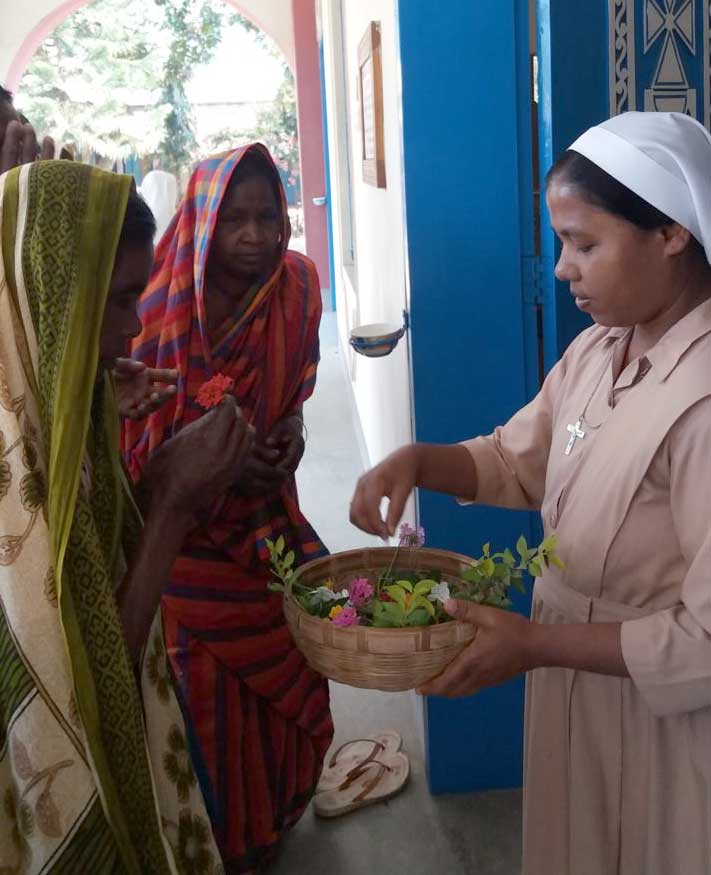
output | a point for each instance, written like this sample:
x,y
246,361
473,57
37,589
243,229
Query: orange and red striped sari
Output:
x,y
258,717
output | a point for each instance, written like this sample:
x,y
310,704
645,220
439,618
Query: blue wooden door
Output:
x,y
598,58
467,149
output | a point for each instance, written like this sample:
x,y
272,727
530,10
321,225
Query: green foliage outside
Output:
x,y
112,81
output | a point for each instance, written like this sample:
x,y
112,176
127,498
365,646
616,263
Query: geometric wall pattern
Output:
x,y
660,56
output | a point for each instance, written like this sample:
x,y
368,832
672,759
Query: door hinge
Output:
x,y
532,274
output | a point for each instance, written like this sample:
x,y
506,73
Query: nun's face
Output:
x,y
620,274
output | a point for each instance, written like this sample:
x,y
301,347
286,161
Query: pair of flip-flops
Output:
x,y
360,773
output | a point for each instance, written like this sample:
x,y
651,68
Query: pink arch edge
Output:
x,y
47,24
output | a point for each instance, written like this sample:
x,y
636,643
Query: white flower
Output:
x,y
439,593
322,594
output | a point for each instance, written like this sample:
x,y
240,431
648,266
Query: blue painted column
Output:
x,y
466,155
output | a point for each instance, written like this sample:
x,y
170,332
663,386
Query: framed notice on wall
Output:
x,y
370,92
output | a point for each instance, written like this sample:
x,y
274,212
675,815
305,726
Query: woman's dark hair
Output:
x,y
254,165
139,226
600,189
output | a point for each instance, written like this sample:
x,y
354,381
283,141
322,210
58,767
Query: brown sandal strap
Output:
x,y
377,748
372,784
360,770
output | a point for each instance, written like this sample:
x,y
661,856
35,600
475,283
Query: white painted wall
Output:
x,y
372,287
18,21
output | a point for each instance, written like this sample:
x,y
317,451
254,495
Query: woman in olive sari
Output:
x,y
94,776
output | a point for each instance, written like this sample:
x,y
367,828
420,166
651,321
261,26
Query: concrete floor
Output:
x,y
415,832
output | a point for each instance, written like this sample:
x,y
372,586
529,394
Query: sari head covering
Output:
x,y
83,788
255,707
664,158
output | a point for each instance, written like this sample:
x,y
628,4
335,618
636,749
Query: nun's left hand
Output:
x,y
501,650
140,390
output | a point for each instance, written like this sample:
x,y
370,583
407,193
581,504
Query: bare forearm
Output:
x,y
140,592
594,647
447,468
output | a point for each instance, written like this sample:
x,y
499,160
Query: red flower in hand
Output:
x,y
214,390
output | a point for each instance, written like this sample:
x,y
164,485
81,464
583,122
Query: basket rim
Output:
x,y
345,554
373,630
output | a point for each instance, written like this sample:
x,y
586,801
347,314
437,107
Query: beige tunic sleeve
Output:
x,y
511,463
668,654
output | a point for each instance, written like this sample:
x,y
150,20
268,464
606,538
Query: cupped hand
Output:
x,y
501,650
260,477
286,440
202,461
139,389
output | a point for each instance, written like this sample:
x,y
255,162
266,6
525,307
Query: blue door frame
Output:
x,y
469,214
327,173
571,37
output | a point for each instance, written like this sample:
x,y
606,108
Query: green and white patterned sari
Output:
x,y
94,776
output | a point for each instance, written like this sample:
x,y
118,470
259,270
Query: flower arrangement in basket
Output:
x,y
375,617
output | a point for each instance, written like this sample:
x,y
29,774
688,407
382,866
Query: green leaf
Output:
x,y
289,559
534,568
488,567
423,602
556,560
405,584
420,617
424,587
486,549
387,615
397,593
275,586
549,544
280,544
522,548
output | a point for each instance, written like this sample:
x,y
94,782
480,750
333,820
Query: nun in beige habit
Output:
x,y
615,452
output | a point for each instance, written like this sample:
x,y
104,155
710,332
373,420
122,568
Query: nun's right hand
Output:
x,y
394,478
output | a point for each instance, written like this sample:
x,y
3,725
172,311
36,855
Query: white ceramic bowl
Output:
x,y
376,340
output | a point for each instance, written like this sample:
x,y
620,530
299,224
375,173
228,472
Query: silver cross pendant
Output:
x,y
576,431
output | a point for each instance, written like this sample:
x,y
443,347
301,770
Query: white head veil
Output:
x,y
160,191
664,157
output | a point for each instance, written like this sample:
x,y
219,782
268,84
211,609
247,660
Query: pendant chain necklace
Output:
x,y
579,429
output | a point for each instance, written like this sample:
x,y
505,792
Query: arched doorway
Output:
x,y
292,26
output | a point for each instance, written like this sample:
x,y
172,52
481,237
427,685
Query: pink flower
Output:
x,y
410,537
212,392
347,617
359,591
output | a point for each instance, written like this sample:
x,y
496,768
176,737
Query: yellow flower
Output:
x,y
334,612
329,584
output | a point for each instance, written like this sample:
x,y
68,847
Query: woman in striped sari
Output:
x,y
227,297
94,776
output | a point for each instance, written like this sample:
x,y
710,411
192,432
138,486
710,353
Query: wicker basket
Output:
x,y
376,659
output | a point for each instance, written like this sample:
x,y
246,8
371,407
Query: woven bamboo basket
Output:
x,y
376,659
